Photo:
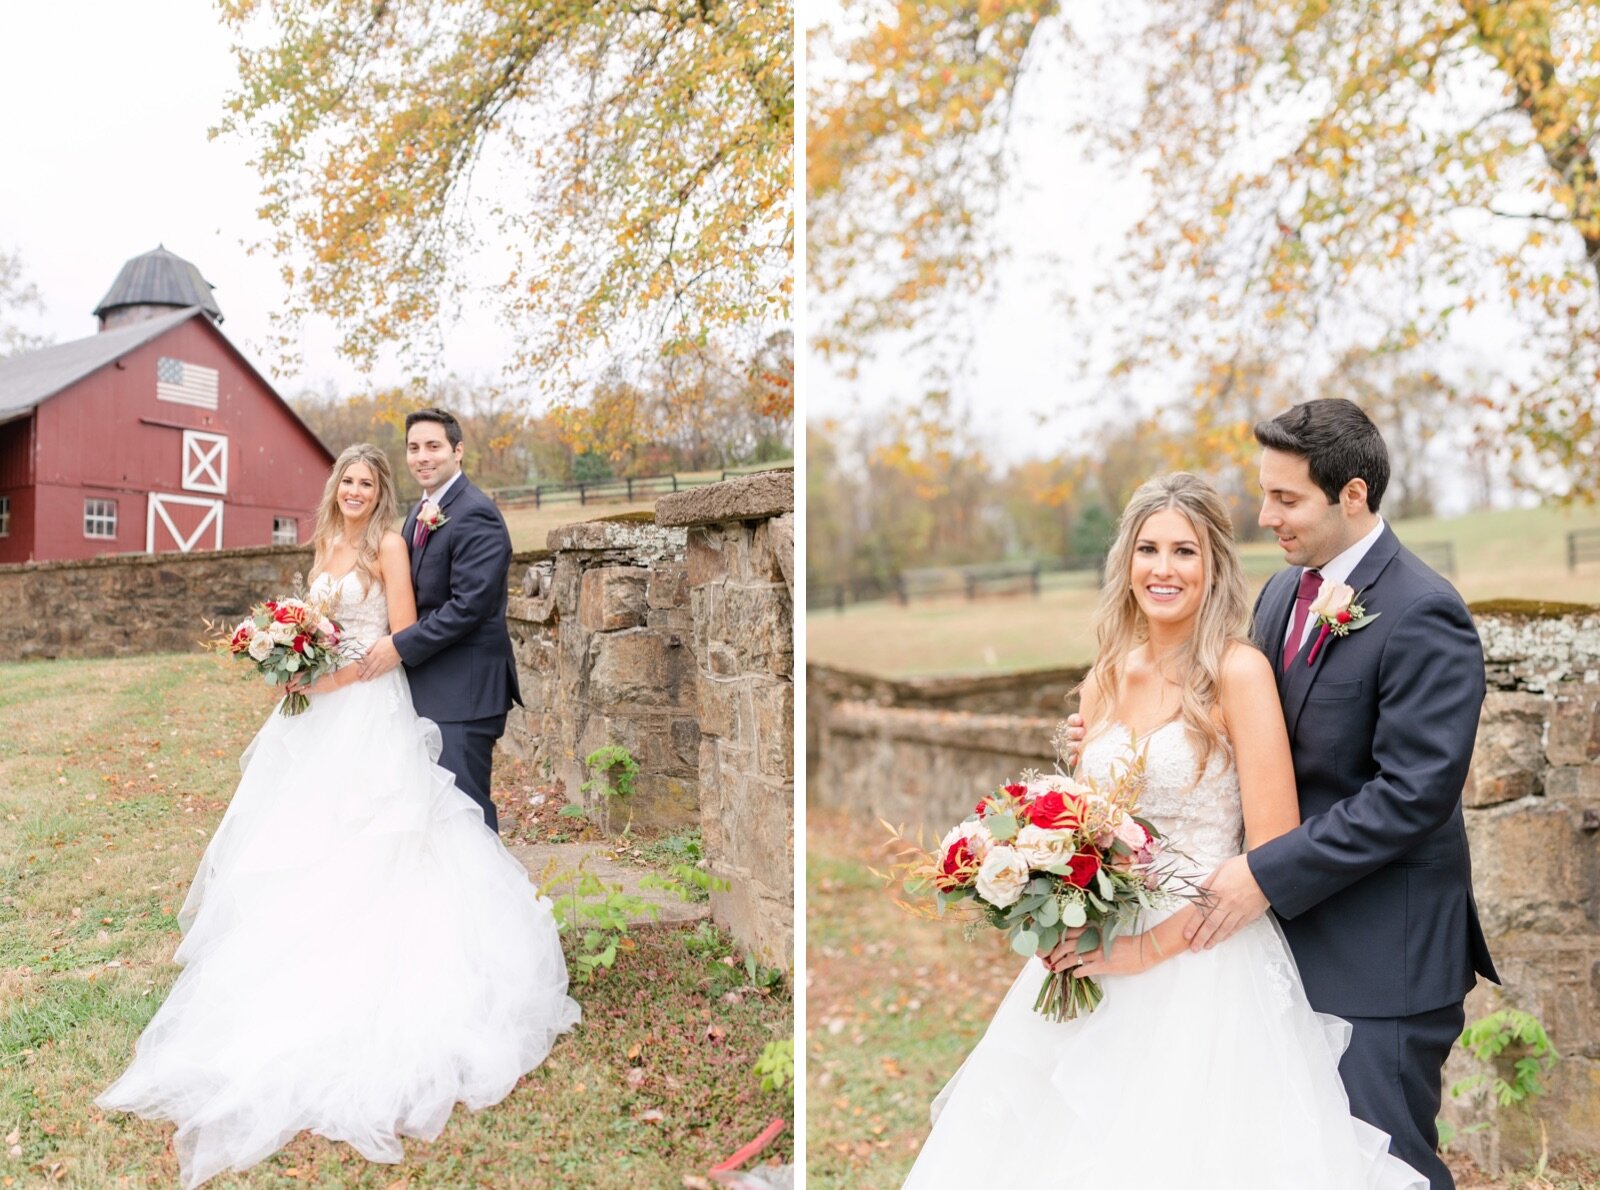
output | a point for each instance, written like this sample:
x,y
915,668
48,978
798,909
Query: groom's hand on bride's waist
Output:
x,y
379,659
1232,899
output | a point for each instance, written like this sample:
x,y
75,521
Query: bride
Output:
x,y
1206,1069
360,951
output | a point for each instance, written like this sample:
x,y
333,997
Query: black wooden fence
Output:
x,y
606,491
1583,545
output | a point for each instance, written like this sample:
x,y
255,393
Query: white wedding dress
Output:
x,y
1209,1071
360,952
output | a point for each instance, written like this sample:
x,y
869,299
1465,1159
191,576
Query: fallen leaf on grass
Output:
x,y
714,1033
693,1181
635,1077
654,1116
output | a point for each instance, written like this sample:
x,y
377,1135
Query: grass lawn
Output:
x,y
1513,554
894,1004
113,775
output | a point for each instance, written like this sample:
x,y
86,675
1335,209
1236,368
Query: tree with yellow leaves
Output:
x,y
1322,174
639,154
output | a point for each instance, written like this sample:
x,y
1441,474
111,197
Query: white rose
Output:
x,y
978,836
261,646
1002,877
1042,848
282,634
1332,599
1056,782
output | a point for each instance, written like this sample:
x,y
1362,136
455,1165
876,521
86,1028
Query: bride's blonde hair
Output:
x,y
330,521
1224,616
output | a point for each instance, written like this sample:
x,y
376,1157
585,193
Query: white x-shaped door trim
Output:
x,y
205,462
158,508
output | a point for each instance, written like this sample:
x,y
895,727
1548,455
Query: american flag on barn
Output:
x,y
155,434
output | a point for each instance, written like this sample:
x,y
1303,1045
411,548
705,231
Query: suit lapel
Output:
x,y
1296,684
1274,618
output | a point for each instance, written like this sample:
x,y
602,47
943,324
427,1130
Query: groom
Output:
x,y
1374,888
458,653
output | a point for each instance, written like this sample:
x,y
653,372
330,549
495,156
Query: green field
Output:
x,y
1499,555
113,774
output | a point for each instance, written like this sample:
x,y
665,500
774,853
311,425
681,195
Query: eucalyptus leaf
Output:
x,y
1002,826
1049,937
1088,940
1073,914
1049,913
1025,943
1104,883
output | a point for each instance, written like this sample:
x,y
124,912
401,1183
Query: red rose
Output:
x,y
1081,868
1017,790
1056,811
300,643
1344,617
957,866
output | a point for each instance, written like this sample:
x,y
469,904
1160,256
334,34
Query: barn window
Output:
x,y
5,516
100,518
285,531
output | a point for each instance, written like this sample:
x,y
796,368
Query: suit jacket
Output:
x,y
458,653
1374,889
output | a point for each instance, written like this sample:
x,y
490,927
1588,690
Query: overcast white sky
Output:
x,y
103,155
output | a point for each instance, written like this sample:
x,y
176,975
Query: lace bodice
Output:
x,y
364,619
1203,820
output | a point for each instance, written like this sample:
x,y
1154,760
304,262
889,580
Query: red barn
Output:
x,y
154,435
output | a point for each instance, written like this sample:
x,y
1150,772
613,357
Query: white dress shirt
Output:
x,y
443,488
1338,570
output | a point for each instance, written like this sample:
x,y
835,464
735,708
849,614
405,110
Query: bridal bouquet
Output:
x,y
285,637
1046,854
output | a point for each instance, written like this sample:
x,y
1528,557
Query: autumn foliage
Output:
x,y
625,166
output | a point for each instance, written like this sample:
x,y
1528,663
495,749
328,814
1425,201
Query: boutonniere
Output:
x,y
1336,610
429,517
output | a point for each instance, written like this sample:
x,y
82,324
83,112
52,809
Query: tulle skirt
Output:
x,y
1209,1071
360,952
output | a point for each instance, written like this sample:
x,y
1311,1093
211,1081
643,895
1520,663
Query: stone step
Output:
x,y
598,859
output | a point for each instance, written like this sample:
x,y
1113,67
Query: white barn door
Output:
x,y
181,523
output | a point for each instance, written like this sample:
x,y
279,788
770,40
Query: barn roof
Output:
x,y
28,379
160,278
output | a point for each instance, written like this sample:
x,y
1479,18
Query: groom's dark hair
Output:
x,y
452,428
1338,442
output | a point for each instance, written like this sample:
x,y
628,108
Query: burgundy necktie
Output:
x,y
1310,584
419,530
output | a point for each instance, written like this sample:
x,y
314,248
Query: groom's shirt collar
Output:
x,y
439,495
1344,565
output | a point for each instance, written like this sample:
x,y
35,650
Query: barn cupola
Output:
x,y
156,283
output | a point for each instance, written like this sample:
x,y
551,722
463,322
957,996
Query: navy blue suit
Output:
x,y
1374,889
458,653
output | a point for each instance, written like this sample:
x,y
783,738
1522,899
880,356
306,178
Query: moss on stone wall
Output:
x,y
1531,609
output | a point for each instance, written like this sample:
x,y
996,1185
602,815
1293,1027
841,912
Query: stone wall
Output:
x,y
741,594
603,656
124,604
1532,810
1048,694
1533,818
